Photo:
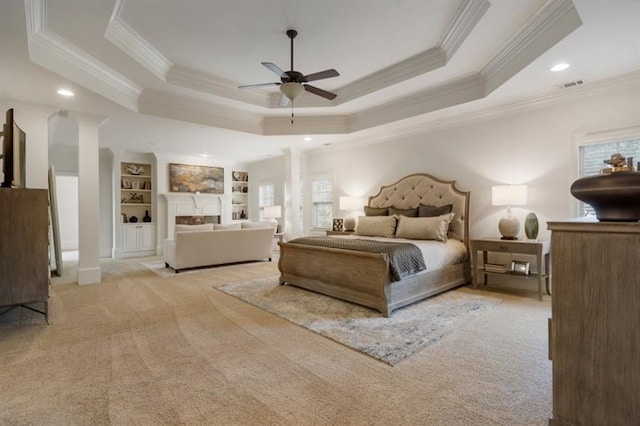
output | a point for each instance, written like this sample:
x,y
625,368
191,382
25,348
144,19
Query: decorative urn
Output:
x,y
614,196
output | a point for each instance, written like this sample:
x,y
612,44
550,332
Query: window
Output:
x,y
267,198
593,155
322,202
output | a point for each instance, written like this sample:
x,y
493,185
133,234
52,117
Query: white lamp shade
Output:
x,y
291,90
272,212
350,203
509,195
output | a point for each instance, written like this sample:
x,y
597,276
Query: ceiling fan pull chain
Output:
x,y
291,112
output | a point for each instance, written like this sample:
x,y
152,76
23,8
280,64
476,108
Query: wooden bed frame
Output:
x,y
364,278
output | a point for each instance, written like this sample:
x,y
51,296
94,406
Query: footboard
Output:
x,y
358,277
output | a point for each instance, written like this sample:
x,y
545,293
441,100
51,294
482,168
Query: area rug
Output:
x,y
391,340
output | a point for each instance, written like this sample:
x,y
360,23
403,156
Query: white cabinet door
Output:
x,y
130,237
146,237
138,237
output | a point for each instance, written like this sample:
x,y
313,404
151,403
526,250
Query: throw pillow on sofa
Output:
x,y
192,228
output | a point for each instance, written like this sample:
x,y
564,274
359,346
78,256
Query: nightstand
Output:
x,y
539,249
340,232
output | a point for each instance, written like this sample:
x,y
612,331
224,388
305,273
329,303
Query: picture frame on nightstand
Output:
x,y
520,268
337,225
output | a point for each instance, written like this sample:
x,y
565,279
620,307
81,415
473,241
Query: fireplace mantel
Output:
x,y
188,204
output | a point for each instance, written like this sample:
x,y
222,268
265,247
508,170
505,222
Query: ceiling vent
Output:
x,y
570,84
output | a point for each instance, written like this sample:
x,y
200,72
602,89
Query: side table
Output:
x,y
539,249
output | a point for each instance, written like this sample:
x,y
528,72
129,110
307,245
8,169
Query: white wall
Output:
x,y
67,194
534,146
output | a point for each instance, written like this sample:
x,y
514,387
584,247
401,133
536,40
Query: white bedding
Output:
x,y
436,254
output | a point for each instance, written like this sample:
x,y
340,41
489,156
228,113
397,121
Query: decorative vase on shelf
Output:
x,y
243,215
133,219
146,217
531,226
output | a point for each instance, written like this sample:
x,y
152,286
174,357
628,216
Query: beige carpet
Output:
x,y
390,340
141,349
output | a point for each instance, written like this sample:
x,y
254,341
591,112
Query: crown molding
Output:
x,y
128,40
161,104
48,49
208,83
317,125
461,90
467,17
553,22
134,45
426,124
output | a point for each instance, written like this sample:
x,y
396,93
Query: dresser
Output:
x,y
594,341
24,249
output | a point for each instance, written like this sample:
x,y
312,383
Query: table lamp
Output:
x,y
273,213
350,204
509,195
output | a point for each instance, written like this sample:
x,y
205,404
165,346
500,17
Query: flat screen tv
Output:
x,y
13,153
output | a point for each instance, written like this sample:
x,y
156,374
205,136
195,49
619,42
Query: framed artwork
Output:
x,y
126,184
135,185
337,224
189,178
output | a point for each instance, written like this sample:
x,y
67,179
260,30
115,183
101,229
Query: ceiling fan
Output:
x,y
292,83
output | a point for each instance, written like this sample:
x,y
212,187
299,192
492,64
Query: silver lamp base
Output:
x,y
509,227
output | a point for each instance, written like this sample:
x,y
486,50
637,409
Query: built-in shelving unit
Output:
x,y
239,195
137,227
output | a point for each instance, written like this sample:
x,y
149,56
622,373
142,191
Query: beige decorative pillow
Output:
x,y
424,228
376,226
218,226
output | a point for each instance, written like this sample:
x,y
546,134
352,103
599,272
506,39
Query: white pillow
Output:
x,y
217,226
253,225
424,228
376,226
193,228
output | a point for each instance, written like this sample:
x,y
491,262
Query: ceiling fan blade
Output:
x,y
320,92
320,75
250,86
276,69
284,101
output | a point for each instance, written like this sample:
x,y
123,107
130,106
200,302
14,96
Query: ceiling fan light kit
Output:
x,y
291,90
293,83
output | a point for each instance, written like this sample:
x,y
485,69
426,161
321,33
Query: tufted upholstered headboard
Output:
x,y
420,188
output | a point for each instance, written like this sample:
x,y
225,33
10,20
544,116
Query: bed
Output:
x,y
365,277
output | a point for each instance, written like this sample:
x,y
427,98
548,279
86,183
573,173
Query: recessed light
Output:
x,y
203,155
560,67
65,92
307,139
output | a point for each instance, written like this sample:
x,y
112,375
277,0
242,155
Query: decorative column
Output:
x,y
292,201
88,199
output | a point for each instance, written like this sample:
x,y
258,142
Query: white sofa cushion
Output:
x,y
258,225
219,226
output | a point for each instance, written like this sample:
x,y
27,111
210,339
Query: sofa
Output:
x,y
208,247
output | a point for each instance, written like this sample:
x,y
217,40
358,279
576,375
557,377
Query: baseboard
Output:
x,y
89,276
